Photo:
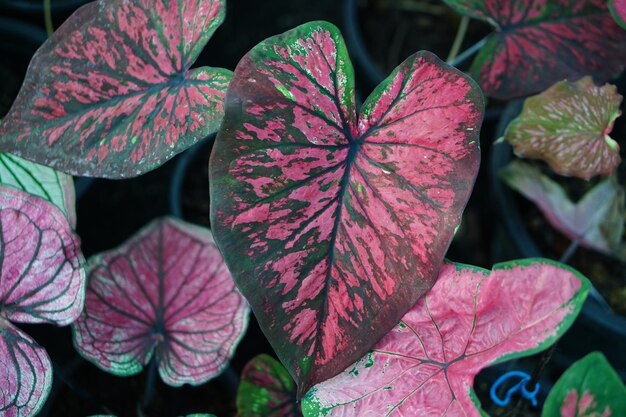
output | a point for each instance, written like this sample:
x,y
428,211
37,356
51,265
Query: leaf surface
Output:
x,y
537,43
110,93
589,388
165,292
470,319
44,182
266,390
596,220
568,127
332,223
25,374
618,9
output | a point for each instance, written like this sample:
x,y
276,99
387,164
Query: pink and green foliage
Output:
x,y
537,43
334,223
471,318
42,280
618,9
110,93
165,292
266,390
596,220
568,127
589,388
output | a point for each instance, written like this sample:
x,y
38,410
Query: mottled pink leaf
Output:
x,y
471,318
596,220
568,127
539,42
618,9
266,390
165,292
111,94
25,373
333,223
589,388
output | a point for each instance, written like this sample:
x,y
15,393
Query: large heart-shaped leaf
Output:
x,y
266,390
51,185
596,220
165,292
111,94
537,43
618,9
42,280
471,318
332,223
589,388
568,127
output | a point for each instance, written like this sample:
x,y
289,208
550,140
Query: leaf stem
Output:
x,y
468,52
150,382
47,16
567,255
458,40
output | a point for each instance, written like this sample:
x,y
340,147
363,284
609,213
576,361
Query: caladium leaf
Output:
x,y
618,9
471,318
111,94
266,390
568,127
589,388
537,43
42,280
596,220
165,292
51,185
332,223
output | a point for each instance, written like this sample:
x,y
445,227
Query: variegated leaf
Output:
x,y
618,9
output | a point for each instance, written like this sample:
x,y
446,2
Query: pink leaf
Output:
x,y
471,318
165,292
618,9
334,223
111,94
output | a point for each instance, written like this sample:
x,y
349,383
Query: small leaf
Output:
x,y
25,373
332,223
568,127
165,292
470,319
110,93
597,219
56,187
589,388
618,10
537,43
266,390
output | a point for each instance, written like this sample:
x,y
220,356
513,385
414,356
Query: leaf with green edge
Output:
x,y
588,388
39,180
568,127
596,220
537,43
165,292
266,390
110,93
618,10
42,280
470,319
334,223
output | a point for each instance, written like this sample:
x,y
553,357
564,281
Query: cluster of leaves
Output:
x,y
334,221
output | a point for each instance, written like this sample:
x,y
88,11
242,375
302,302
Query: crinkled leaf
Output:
x,y
266,390
51,185
596,220
537,43
25,373
332,223
166,292
471,318
618,9
111,94
42,268
589,388
568,127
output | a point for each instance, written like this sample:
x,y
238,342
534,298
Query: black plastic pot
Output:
x,y
597,328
